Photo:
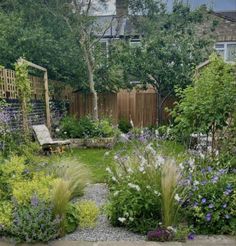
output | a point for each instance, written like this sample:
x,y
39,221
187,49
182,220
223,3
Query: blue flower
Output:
x,y
215,179
211,206
208,217
204,200
191,236
224,205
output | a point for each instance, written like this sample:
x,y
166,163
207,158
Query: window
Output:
x,y
227,50
104,47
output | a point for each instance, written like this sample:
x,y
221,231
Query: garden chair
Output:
x,y
48,145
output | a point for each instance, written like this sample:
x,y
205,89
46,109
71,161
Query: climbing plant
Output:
x,y
24,92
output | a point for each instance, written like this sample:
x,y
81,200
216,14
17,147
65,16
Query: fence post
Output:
x,y
48,121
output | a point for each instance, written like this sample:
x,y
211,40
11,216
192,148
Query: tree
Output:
x,y
28,29
170,49
87,33
207,105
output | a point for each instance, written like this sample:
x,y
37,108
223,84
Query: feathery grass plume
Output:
x,y
61,196
170,177
75,174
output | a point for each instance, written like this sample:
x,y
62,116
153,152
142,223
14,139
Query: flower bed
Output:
x,y
36,206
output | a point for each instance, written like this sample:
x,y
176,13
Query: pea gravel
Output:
x,y
104,231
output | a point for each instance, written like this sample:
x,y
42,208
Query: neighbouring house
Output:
x,y
120,27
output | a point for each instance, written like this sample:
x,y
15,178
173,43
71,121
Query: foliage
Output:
x,y
210,202
163,57
136,184
5,216
34,222
86,127
88,213
39,184
124,126
44,40
72,218
74,175
206,106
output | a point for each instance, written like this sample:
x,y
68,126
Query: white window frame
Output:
x,y
135,41
104,40
224,49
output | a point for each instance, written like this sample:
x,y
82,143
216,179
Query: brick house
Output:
x,y
121,27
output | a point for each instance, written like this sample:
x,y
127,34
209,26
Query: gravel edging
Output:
x,y
103,231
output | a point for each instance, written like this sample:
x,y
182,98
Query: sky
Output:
x,y
216,5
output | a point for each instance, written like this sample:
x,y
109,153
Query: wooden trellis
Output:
x,y
9,90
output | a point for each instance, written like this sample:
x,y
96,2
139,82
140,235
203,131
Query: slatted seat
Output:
x,y
48,144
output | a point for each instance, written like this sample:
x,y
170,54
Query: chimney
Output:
x,y
122,8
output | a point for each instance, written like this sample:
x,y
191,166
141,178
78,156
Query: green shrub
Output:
x,y
72,218
34,222
70,128
124,126
211,203
88,214
5,216
85,127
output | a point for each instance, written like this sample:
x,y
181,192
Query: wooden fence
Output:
x,y
138,106
8,89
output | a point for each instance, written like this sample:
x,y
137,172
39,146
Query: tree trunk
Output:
x,y
89,63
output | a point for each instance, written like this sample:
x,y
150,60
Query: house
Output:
x,y
120,27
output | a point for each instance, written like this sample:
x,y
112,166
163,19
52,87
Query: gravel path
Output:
x,y
103,231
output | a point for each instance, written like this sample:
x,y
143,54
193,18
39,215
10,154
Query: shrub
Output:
x,y
210,206
88,213
34,222
5,216
39,185
69,127
124,126
72,218
86,127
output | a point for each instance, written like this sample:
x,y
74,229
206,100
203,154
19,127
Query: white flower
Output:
x,y
108,170
114,178
57,129
130,170
106,153
65,133
160,160
141,169
148,187
116,193
181,166
126,214
115,157
157,193
134,186
170,228
122,220
177,198
191,162
131,218
196,182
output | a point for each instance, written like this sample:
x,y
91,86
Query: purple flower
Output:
x,y
191,236
227,191
195,204
34,201
204,182
209,169
224,205
208,217
203,200
211,206
215,179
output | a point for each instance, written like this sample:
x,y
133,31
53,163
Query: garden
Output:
x,y
172,181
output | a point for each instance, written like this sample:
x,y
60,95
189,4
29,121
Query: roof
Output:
x,y
228,15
